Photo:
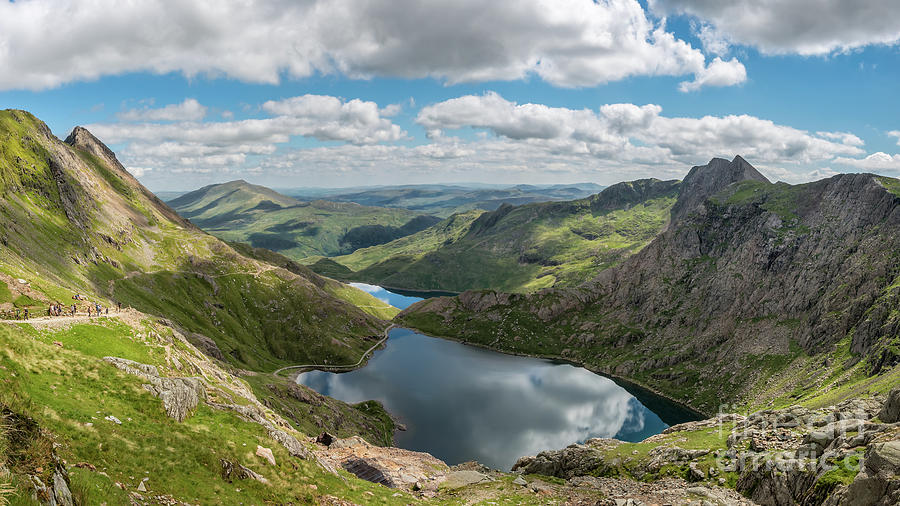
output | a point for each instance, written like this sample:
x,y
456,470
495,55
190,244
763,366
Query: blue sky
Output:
x,y
345,93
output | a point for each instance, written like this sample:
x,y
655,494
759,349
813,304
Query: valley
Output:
x,y
449,253
198,363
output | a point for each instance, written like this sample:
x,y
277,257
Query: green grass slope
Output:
x,y
518,248
240,212
73,220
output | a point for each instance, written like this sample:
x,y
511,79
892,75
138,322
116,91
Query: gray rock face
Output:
x,y
704,181
576,460
179,395
890,413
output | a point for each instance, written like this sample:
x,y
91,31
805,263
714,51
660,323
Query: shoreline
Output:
x,y
438,293
363,360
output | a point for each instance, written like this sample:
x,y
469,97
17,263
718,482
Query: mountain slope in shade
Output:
x,y
518,248
755,293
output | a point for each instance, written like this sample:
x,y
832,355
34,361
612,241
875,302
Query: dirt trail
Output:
x,y
387,333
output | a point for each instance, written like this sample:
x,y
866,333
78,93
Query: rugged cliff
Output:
x,y
755,293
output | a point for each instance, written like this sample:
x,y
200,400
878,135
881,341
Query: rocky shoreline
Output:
x,y
844,454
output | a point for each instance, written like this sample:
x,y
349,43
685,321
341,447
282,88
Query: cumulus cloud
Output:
x,y
632,133
189,110
806,27
565,42
895,133
879,161
161,141
524,142
718,73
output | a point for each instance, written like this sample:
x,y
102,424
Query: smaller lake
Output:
x,y
464,403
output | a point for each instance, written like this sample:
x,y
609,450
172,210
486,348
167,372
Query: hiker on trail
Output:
x,y
107,311
26,313
89,310
73,309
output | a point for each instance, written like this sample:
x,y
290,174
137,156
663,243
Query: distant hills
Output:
x,y
243,212
444,200
518,248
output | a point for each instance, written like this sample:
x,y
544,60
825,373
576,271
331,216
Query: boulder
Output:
x,y
890,412
459,479
883,458
265,453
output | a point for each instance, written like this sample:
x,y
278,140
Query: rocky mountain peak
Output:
x,y
704,181
82,138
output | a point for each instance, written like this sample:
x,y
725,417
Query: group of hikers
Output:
x,y
58,309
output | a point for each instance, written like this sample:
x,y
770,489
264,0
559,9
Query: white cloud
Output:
x,y
222,145
806,27
46,43
718,73
631,133
189,110
895,133
842,137
139,171
879,161
513,142
322,117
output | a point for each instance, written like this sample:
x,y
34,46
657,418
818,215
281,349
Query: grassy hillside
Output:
x,y
241,212
58,391
446,200
74,221
521,248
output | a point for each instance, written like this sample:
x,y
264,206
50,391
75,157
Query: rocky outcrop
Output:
x,y
28,452
836,455
392,467
179,395
704,181
232,471
629,193
890,413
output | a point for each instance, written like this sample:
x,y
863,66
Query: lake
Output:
x,y
464,403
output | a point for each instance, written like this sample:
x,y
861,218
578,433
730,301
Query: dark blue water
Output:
x,y
464,403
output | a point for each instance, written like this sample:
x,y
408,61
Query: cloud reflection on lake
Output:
x,y
464,403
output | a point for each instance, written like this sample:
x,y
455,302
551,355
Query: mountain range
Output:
x,y
443,200
756,293
517,248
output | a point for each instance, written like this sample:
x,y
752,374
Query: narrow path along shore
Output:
x,y
387,333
